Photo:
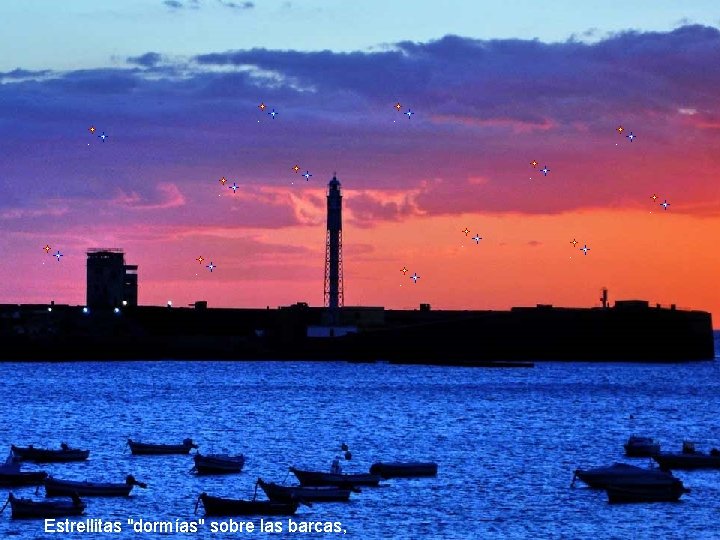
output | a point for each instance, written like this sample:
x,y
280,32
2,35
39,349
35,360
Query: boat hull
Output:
x,y
316,478
29,509
632,494
29,478
217,506
42,455
404,470
57,488
215,464
288,494
669,461
621,474
148,449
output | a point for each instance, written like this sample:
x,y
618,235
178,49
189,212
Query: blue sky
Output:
x,y
77,34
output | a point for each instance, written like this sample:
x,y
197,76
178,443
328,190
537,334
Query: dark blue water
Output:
x,y
506,440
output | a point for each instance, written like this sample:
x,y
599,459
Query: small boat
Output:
x,y
641,446
659,493
279,493
11,475
218,463
404,470
688,459
27,508
318,478
622,474
158,449
43,455
55,488
217,506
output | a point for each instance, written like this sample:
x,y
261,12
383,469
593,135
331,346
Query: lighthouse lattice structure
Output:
x,y
333,248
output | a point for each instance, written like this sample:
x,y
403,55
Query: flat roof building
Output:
x,y
110,282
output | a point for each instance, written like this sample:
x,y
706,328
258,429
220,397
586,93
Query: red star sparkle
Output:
x,y
200,259
534,163
91,129
223,180
404,270
47,249
654,197
398,106
574,242
296,168
262,106
466,231
620,129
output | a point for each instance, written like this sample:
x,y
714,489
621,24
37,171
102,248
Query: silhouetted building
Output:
x,y
333,249
110,282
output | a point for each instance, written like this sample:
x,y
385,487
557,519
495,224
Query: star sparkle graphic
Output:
x,y
223,180
466,231
477,238
91,129
415,277
404,270
654,197
103,136
585,249
307,175
200,259
545,170
409,113
631,136
665,204
58,255
47,248
534,163
574,242
296,168
262,106
398,106
234,187
273,113
620,129
210,266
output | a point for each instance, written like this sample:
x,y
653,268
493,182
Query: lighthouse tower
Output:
x,y
333,250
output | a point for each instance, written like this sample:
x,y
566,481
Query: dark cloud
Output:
x,y
180,4
149,59
237,5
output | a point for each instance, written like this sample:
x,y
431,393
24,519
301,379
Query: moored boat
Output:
x,y
11,475
138,448
641,446
622,474
280,493
318,478
218,506
55,487
404,470
45,455
688,459
29,509
218,463
658,493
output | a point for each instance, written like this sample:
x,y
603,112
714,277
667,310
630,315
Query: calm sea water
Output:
x,y
506,440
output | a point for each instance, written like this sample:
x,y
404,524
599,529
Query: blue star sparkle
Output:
x,y
234,187
585,249
58,255
273,113
307,175
631,136
477,238
103,136
665,204
409,113
211,266
415,277
545,170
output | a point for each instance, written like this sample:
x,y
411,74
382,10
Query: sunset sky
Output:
x,y
176,86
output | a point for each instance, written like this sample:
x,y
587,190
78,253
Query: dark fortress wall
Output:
x,y
632,332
